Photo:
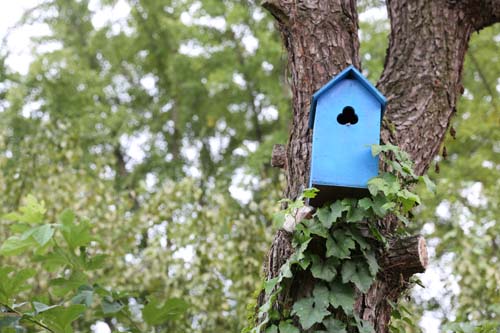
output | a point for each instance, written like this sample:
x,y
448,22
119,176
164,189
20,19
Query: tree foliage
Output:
x,y
136,182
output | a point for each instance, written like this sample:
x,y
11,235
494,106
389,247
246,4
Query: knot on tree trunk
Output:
x,y
278,158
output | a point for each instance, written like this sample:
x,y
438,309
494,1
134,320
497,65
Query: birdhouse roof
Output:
x,y
349,73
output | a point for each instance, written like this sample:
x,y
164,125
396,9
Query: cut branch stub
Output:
x,y
278,159
406,256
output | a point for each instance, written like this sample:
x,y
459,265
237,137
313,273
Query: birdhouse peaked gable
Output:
x,y
349,73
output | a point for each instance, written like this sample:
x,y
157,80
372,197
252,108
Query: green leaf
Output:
x,y
339,245
272,329
330,214
155,314
376,149
310,193
40,307
287,327
67,217
431,186
95,262
316,228
379,205
376,233
15,245
334,326
43,234
59,319
13,282
324,270
408,199
375,185
109,305
309,312
8,321
358,273
342,294
358,238
356,214
76,235
31,212
299,253
85,296
321,296
365,203
270,284
387,183
363,325
372,262
61,286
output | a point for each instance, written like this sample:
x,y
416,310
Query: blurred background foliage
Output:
x,y
155,119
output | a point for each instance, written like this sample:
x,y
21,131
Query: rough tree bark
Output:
x,y
421,80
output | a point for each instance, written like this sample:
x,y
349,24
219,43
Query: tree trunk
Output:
x,y
421,80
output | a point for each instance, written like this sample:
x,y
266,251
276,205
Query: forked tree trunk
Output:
x,y
421,80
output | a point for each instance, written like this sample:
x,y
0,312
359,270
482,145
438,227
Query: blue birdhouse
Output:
x,y
345,117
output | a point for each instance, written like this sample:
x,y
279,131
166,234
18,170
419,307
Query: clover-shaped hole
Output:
x,y
348,116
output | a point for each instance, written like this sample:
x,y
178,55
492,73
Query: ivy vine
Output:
x,y
348,230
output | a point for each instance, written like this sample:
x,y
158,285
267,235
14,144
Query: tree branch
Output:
x,y
406,256
276,10
481,14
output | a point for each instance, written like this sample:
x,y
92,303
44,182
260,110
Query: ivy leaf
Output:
x,y
316,228
270,284
299,253
310,193
340,245
272,329
376,233
354,233
375,185
358,273
379,207
286,270
309,312
324,270
365,203
356,214
372,262
377,149
428,183
330,214
408,199
387,184
363,325
321,295
287,327
155,313
334,325
342,295
324,215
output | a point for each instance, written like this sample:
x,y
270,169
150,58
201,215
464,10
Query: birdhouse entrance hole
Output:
x,y
348,116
